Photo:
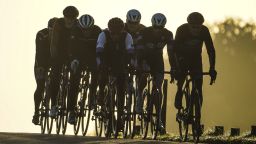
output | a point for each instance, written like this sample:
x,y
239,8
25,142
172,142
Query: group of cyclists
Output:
x,y
82,45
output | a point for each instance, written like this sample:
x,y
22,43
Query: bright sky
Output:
x,y
20,21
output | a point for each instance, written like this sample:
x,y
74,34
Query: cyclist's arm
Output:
x,y
129,44
100,44
176,45
130,48
40,58
209,47
170,49
55,40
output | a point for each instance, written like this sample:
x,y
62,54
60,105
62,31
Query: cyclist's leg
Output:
x,y
179,93
93,85
40,84
38,97
197,87
142,82
121,84
102,80
54,86
74,87
158,79
55,82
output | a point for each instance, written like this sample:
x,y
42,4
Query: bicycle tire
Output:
x,y
98,122
86,111
78,121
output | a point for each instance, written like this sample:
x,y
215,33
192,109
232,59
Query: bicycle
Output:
x,y
150,116
129,101
102,113
189,115
62,115
83,108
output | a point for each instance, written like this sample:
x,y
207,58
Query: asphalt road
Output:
x,y
33,138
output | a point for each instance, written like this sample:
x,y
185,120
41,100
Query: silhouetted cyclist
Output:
x,y
114,47
83,56
42,64
152,41
189,41
133,25
60,51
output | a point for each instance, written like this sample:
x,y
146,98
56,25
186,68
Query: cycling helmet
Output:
x,y
195,18
133,15
51,22
70,12
158,20
86,21
115,25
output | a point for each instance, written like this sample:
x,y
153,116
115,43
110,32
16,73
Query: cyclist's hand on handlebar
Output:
x,y
213,74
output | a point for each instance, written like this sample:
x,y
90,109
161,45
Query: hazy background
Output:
x,y
230,102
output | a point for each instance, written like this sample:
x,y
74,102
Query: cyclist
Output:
x,y
133,26
189,41
114,47
42,63
83,55
60,50
153,39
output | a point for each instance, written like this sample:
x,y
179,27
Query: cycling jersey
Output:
x,y
115,54
42,58
83,44
134,33
60,40
188,47
153,43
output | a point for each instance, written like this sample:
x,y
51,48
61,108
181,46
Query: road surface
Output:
x,y
33,138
